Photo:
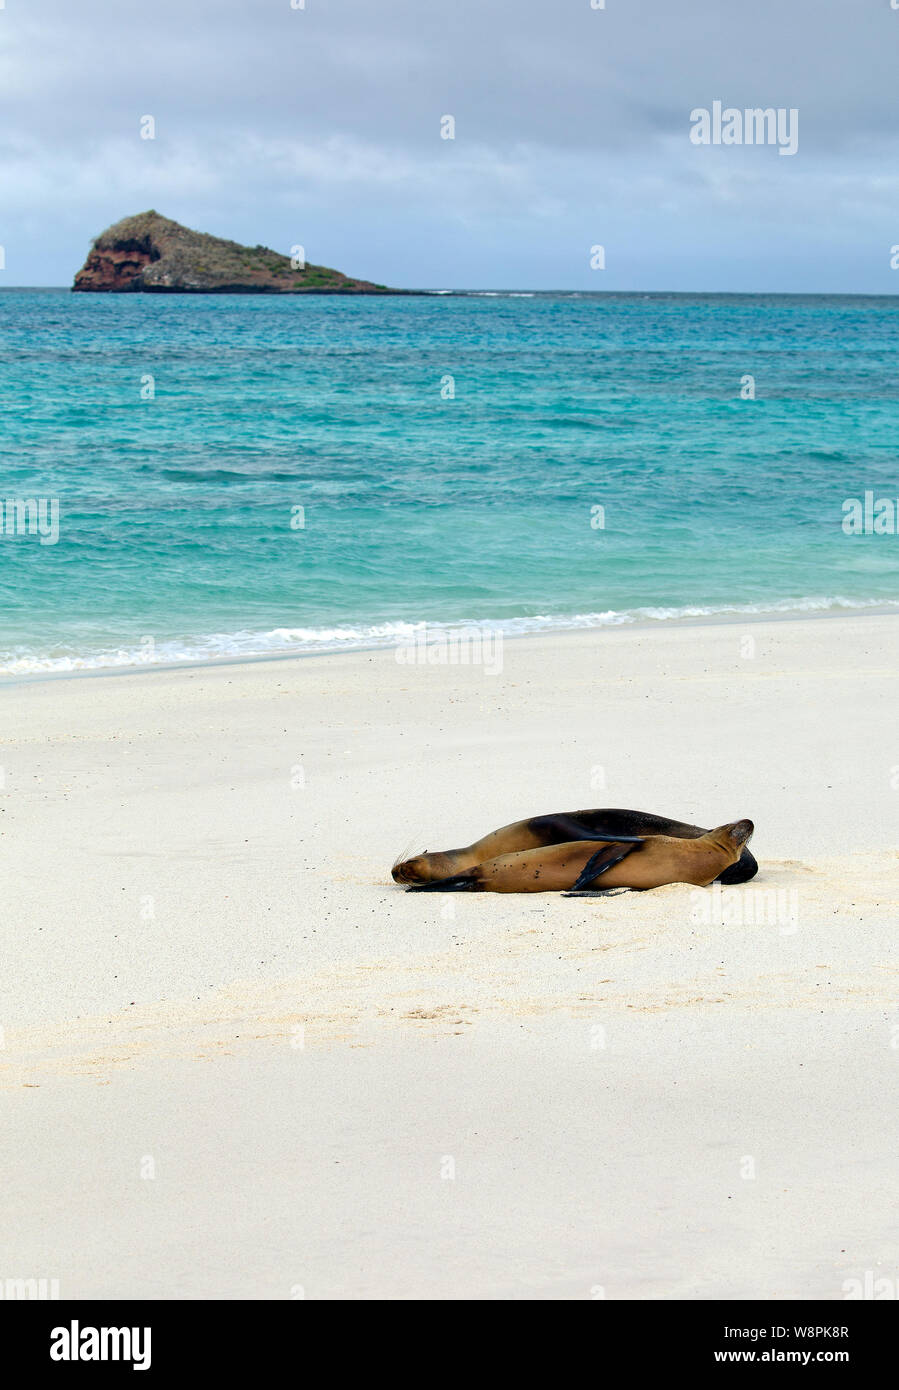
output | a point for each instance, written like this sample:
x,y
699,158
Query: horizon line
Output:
x,y
391,291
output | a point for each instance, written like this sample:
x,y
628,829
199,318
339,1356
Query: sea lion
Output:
x,y
556,829
628,862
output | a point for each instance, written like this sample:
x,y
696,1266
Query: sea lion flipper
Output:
x,y
458,883
598,892
605,857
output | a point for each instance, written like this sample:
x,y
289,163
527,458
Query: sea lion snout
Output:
x,y
427,868
411,870
740,831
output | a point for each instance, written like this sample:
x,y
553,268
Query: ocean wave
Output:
x,y
287,641
486,294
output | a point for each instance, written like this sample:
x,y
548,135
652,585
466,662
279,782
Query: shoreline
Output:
x,y
877,609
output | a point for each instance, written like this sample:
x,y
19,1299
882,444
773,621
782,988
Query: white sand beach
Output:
x,y
239,1062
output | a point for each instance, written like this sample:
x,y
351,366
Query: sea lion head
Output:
x,y
734,835
415,870
426,868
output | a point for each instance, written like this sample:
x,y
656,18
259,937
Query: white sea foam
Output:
x,y
487,294
286,641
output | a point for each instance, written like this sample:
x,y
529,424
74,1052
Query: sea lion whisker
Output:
x,y
406,853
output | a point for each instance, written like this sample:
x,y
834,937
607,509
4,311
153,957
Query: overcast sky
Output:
x,y
321,126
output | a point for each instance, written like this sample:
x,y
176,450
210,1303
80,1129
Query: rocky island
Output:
x,y
153,254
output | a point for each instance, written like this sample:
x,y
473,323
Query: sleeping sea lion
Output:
x,y
627,862
556,829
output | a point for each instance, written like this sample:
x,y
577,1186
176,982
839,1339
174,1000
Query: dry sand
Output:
x,y
240,1063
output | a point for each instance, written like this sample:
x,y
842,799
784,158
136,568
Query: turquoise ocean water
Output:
x,y
421,508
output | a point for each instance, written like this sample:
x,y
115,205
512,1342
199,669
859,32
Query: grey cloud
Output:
x,y
571,126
